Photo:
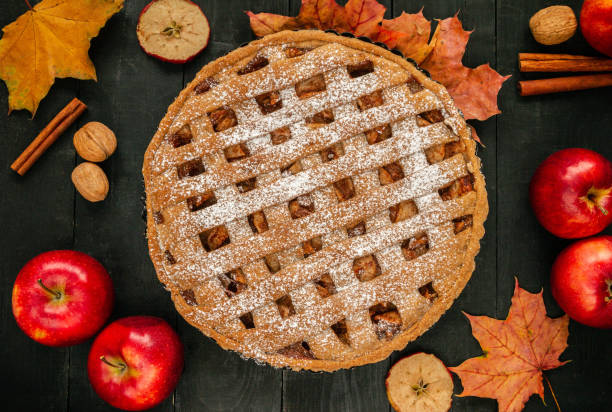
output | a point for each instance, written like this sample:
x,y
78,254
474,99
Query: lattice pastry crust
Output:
x,y
314,201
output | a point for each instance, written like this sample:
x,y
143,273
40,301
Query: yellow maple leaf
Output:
x,y
51,40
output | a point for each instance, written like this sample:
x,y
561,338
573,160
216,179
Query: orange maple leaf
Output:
x,y
417,29
364,16
322,15
474,90
268,23
51,40
516,352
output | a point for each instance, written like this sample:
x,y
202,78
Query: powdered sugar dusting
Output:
x,y
303,168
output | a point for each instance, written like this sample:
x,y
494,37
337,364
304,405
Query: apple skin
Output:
x,y
581,281
78,303
596,24
147,359
571,193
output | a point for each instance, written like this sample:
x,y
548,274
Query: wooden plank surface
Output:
x,y
32,224
132,93
529,130
41,212
450,338
219,380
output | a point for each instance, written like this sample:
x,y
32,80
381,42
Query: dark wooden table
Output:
x,y
41,212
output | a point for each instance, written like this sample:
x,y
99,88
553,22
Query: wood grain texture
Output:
x,y
42,212
132,93
450,338
529,130
32,224
356,389
218,380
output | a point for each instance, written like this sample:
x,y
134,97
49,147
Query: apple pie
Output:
x,y
314,201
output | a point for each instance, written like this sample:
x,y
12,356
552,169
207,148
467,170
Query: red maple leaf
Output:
x,y
364,17
516,352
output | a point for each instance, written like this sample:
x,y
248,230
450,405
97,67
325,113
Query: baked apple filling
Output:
x,y
310,87
415,246
457,188
223,118
325,286
360,69
390,173
370,100
256,63
182,137
378,134
214,238
234,282
366,268
386,320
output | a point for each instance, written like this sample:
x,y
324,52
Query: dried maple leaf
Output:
x,y
51,40
417,29
474,90
364,16
322,15
268,23
516,352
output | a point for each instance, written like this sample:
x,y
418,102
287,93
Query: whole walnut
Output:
x,y
553,25
95,142
90,181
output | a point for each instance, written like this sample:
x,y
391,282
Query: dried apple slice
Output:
x,y
174,31
419,383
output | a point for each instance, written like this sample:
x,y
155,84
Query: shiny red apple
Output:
x,y
135,362
571,193
596,24
581,281
62,297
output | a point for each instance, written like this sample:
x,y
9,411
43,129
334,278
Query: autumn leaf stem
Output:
x,y
553,392
28,3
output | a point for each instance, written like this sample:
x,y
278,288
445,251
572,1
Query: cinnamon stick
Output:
x,y
48,136
564,84
543,62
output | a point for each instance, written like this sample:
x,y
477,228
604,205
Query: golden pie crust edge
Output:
x,y
439,307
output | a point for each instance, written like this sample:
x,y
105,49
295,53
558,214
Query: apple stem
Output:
x,y
58,295
121,365
602,209
28,3
552,392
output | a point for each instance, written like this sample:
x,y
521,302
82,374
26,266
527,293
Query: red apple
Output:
x,y
62,297
596,24
571,193
135,362
581,281
174,31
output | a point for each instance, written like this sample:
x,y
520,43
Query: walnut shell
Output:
x,y
95,142
90,181
553,25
